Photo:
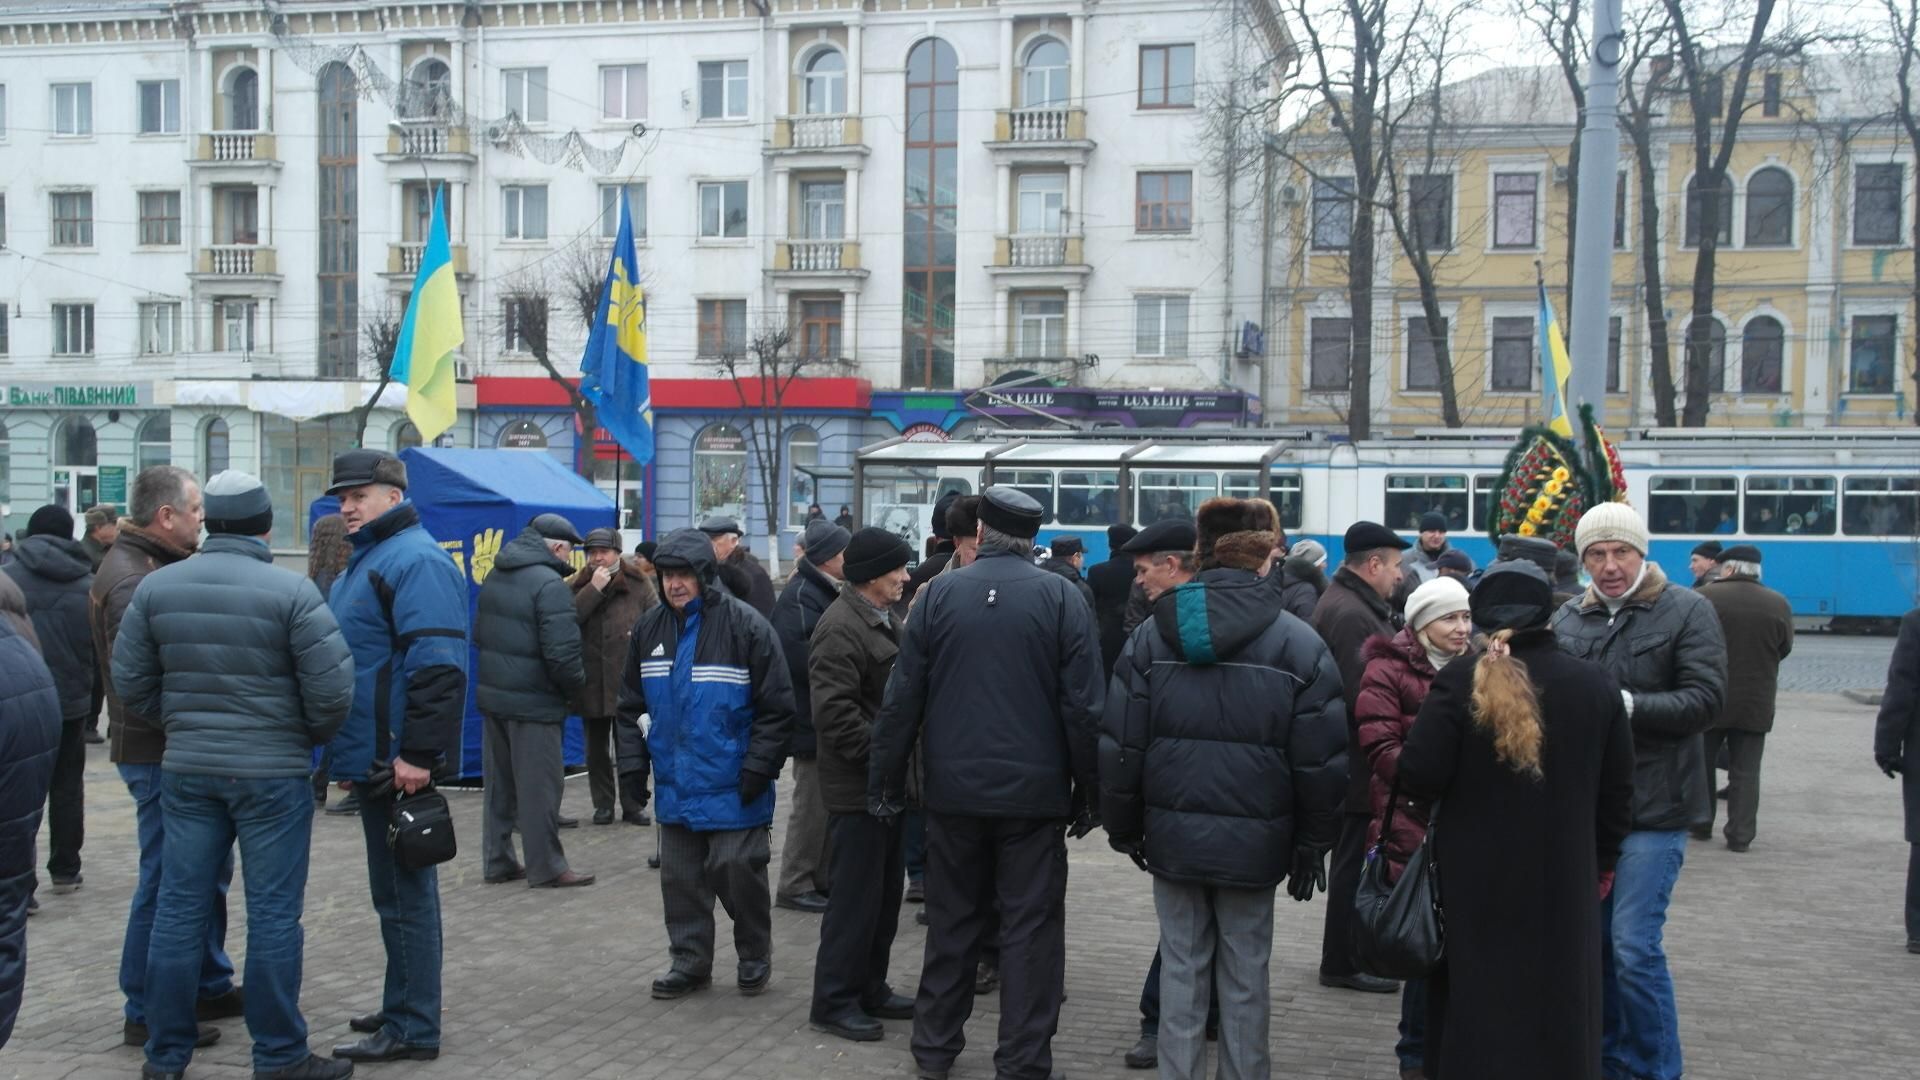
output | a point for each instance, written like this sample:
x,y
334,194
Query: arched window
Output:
x,y
803,452
155,441
826,83
522,435
1716,345
1043,75
76,444
428,92
1770,208
1762,348
215,448
719,473
243,100
1722,212
405,435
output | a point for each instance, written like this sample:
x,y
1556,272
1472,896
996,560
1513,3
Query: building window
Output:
x,y
236,215
154,441
803,453
417,197
931,216
160,107
338,211
1516,207
524,91
1430,202
406,436
428,92
1423,357
3,119
159,329
1697,210
623,92
723,210
294,457
1770,208
1330,355
1613,354
1166,76
73,109
1512,354
1332,213
610,209
160,218
719,473
723,327
215,448
1042,198
523,322
5,318
823,209
73,329
1762,348
1770,94
1043,75
1693,504
242,100
1877,196
1872,354
1163,202
1160,326
76,443
1716,345
824,85
819,320
72,219
1619,211
723,90
526,212
3,206
234,323
1040,327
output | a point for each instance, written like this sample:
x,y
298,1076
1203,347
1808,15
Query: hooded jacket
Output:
x,y
528,636
1665,647
714,681
1223,748
1301,583
29,742
607,618
808,594
134,739
1392,688
54,574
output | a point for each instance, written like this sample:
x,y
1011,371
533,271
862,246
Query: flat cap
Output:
x,y
1368,535
357,468
1011,511
1456,560
1066,547
720,525
603,538
1177,534
1707,549
555,527
1739,553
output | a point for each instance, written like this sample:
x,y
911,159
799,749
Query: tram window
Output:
x,y
1881,505
1794,505
1088,498
1169,496
1037,483
1411,495
952,485
1283,490
1483,502
1694,504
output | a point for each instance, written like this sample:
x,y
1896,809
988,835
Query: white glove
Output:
x,y
1627,699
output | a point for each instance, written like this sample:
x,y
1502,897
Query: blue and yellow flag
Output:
x,y
431,331
613,373
1555,367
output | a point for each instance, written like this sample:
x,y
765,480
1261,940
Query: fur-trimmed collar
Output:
x,y
1652,584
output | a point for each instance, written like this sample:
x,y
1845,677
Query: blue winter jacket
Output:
x,y
716,686
29,741
402,604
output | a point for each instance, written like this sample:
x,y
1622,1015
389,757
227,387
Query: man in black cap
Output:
x,y
1758,625
998,681
530,673
1068,553
739,571
852,654
610,594
942,553
1354,608
1418,566
1701,562
1111,580
812,588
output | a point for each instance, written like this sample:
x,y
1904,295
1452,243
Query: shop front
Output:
x,y
945,415
76,445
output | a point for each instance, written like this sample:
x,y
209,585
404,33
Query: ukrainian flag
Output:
x,y
1555,367
614,369
429,334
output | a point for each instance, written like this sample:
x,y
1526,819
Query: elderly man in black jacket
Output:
x,y
29,743
1111,580
1896,749
809,592
1222,771
530,672
998,680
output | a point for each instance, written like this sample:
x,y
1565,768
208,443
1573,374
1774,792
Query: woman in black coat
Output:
x,y
1896,749
1529,754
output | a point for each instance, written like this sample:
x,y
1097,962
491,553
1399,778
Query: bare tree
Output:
x,y
379,337
1648,35
526,325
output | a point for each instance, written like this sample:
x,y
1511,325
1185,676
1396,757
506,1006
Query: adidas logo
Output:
x,y
658,650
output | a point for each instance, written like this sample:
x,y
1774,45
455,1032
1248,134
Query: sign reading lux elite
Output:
x,y
78,396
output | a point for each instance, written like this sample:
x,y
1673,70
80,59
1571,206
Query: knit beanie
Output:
x,y
1311,550
823,540
1611,521
1434,598
873,552
238,503
50,520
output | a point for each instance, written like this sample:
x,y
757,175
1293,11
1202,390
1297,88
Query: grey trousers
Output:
x,y
803,858
1743,781
524,773
696,867
1213,938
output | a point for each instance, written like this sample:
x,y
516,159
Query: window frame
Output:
x,y
1779,359
1896,236
1419,221
80,109
1884,487
1314,340
811,315
513,338
230,312
1657,488
1427,487
216,426
610,210
1495,199
626,73
728,80
1414,331
1747,209
1754,490
533,89
718,332
1854,342
1042,321
721,189
162,86
1182,482
832,226
147,222
1166,208
1048,188
79,224
1494,340
1167,344
1063,71
168,325
1328,190
72,318
832,84
513,213
1166,52
6,343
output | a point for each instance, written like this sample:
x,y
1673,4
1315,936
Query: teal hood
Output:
x,y
1214,616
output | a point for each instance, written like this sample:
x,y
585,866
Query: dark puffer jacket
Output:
x,y
133,739
1112,585
528,636
1665,648
1301,583
1224,744
55,575
1396,681
29,741
747,580
607,618
808,594
1066,570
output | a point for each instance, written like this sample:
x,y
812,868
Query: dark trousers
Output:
x,y
522,760
1343,881
696,868
1743,781
1150,1002
601,783
66,802
99,698
408,903
1913,892
971,863
856,934
913,836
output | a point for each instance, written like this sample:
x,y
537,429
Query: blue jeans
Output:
x,y
1412,1047
216,969
1642,1025
273,821
408,902
914,836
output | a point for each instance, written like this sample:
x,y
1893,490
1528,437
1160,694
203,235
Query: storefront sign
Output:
x,y
1130,408
78,395
523,435
924,433
113,486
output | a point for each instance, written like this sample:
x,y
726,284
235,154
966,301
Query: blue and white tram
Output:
x,y
1836,512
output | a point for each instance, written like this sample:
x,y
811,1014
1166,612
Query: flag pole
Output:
x,y
1593,227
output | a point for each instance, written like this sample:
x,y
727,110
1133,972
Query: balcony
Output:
x,y
1042,136
427,140
821,261
818,137
403,259
237,261
235,154
1052,255
1037,249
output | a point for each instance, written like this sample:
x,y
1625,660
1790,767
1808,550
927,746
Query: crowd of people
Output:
x,y
1234,717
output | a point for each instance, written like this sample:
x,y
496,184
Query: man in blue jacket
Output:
x,y
402,605
29,743
708,671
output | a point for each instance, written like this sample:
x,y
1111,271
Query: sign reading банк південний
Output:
x,y
77,395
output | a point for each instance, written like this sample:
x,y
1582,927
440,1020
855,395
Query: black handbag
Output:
x,y
421,830
1399,931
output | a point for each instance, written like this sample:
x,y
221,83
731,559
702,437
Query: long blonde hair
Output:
x,y
1504,705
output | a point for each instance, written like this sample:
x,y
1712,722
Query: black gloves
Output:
x,y
1892,766
885,806
1130,848
1083,823
634,786
377,785
753,785
1309,873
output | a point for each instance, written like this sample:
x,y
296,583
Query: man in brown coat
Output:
x,y
1758,625
610,594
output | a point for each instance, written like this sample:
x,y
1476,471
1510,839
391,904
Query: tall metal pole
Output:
x,y
1593,228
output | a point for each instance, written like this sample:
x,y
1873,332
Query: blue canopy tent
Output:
x,y
473,501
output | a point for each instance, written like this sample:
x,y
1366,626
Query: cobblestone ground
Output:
x,y
1789,959
1830,663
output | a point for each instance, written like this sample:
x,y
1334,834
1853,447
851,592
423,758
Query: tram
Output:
x,y
1836,511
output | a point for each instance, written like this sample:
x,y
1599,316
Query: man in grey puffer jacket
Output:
x,y
246,671
531,670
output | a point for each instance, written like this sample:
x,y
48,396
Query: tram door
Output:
x,y
76,487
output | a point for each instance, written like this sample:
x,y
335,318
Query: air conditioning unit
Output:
x,y
497,134
1560,174
463,370
1290,193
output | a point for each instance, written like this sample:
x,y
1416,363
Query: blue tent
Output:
x,y
473,501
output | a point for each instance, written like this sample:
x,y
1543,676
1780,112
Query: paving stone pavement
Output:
x,y
1789,959
1831,663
